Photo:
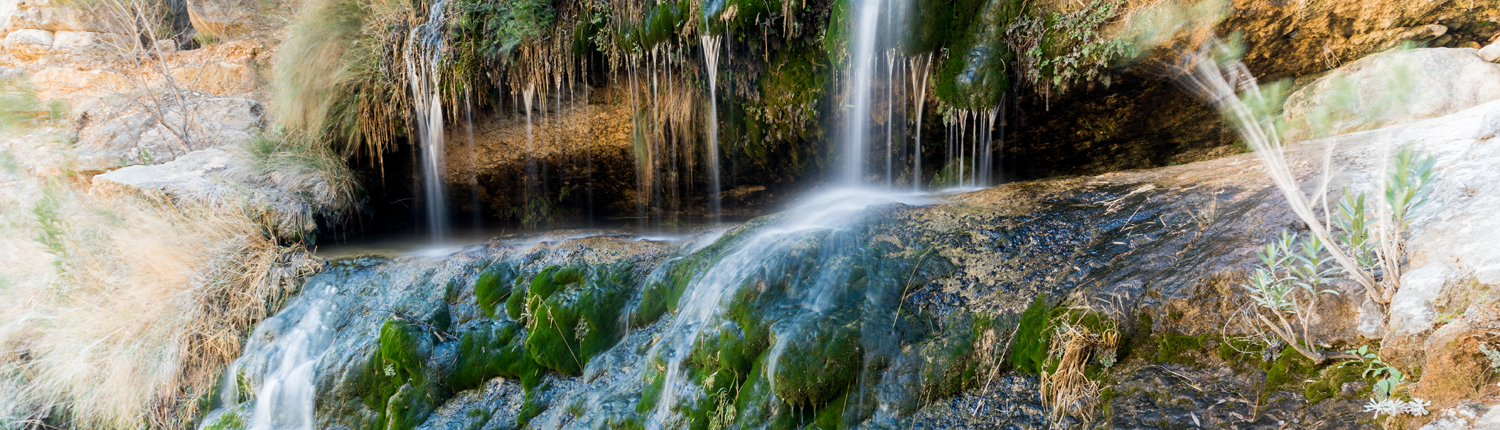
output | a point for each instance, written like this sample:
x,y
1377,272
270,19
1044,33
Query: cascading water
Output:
x,y
424,54
286,359
860,83
919,98
711,59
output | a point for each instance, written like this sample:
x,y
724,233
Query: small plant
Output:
x,y
1064,49
1493,355
1289,285
1387,379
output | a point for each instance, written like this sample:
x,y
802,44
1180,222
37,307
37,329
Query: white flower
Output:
x,y
1387,406
1416,407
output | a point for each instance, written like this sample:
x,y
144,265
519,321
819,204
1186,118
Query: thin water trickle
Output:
x,y
423,55
919,98
711,58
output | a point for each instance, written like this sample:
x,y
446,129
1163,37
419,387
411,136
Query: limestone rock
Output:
x,y
29,44
1488,275
89,43
1412,311
1285,39
217,18
196,173
77,87
52,16
1490,53
1393,88
115,133
1371,320
216,176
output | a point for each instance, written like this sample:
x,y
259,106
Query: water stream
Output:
x,y
711,59
424,54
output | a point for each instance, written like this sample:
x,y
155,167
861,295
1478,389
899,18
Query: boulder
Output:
x,y
116,132
1490,53
220,19
1391,88
224,177
198,173
1412,311
29,44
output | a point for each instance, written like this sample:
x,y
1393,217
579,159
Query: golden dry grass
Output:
x,y
1065,388
121,310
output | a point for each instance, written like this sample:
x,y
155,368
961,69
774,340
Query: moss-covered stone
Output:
x,y
494,349
396,382
575,315
493,285
1177,348
819,360
1028,351
976,74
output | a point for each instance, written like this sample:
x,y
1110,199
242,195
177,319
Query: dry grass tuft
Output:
x,y
1080,336
121,310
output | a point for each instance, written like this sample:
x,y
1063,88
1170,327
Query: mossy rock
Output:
x,y
1028,353
949,365
494,349
819,360
494,285
717,21
1331,381
397,382
231,419
575,315
1177,348
976,74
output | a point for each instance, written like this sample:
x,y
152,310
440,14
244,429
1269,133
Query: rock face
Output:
x,y
1393,88
121,132
1287,39
218,18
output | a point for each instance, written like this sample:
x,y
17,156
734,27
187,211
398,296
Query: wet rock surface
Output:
x,y
933,289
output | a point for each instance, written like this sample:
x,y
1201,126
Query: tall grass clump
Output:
x,y
335,74
119,311
317,179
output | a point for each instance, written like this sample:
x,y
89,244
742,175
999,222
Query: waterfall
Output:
x,y
711,58
919,98
286,363
890,113
424,54
528,95
861,77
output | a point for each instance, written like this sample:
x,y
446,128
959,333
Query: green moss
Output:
x,y
1330,381
1028,353
515,305
831,416
494,349
1289,368
494,285
497,29
396,382
576,312
818,361
231,419
1173,347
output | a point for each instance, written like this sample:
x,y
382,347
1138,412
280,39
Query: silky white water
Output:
x,y
287,363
